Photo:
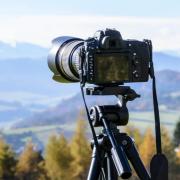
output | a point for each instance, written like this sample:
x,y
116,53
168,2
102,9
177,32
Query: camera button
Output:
x,y
136,62
136,74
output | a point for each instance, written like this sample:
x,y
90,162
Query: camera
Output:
x,y
108,61
104,59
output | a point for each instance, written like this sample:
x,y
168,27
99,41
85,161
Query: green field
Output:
x,y
138,119
39,129
141,120
41,132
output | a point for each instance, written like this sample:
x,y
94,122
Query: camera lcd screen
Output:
x,y
111,68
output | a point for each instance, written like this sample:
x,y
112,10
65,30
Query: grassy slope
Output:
x,y
142,120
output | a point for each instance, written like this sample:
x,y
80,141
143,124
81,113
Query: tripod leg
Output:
x,y
95,167
111,169
134,158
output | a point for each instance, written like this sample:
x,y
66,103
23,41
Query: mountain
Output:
x,y
67,111
21,50
164,61
27,70
29,75
26,84
29,97
175,53
29,51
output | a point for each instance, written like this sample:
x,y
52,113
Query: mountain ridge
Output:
x,y
67,111
27,81
21,50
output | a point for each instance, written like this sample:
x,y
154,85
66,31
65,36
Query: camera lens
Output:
x,y
64,57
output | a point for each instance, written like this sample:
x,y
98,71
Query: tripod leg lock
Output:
x,y
133,156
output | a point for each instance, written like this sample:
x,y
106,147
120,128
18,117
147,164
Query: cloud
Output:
x,y
164,32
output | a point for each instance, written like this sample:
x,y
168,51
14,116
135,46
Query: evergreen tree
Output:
x,y
28,164
7,161
169,150
177,134
58,158
147,148
167,146
81,152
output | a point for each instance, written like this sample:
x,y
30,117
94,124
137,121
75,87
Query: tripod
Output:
x,y
110,159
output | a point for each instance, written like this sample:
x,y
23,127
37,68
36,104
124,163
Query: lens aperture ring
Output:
x,y
64,62
74,59
58,66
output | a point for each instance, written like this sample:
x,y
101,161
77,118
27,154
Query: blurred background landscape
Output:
x,y
33,107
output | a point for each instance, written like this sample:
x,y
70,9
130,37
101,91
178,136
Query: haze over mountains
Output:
x,y
21,50
26,51
26,86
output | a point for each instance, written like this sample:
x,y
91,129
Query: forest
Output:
x,y
69,159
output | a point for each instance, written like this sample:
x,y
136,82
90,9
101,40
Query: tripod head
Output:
x,y
125,91
118,114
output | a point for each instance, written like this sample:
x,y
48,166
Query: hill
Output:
x,y
29,98
67,111
21,50
26,84
164,61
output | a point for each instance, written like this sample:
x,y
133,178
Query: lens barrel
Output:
x,y
64,58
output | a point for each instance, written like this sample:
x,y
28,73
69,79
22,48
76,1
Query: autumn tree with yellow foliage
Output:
x,y
147,148
7,161
29,164
58,158
81,152
70,160
168,150
134,133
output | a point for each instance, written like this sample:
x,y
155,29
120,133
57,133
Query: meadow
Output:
x,y
140,120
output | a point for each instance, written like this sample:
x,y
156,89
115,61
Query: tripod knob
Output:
x,y
94,116
113,113
131,95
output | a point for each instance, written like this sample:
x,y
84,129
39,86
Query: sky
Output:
x,y
39,21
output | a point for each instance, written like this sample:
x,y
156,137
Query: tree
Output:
x,y
42,171
81,152
147,148
169,150
58,158
167,146
134,133
7,161
28,164
177,133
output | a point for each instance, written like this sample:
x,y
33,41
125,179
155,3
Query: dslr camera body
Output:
x,y
105,59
